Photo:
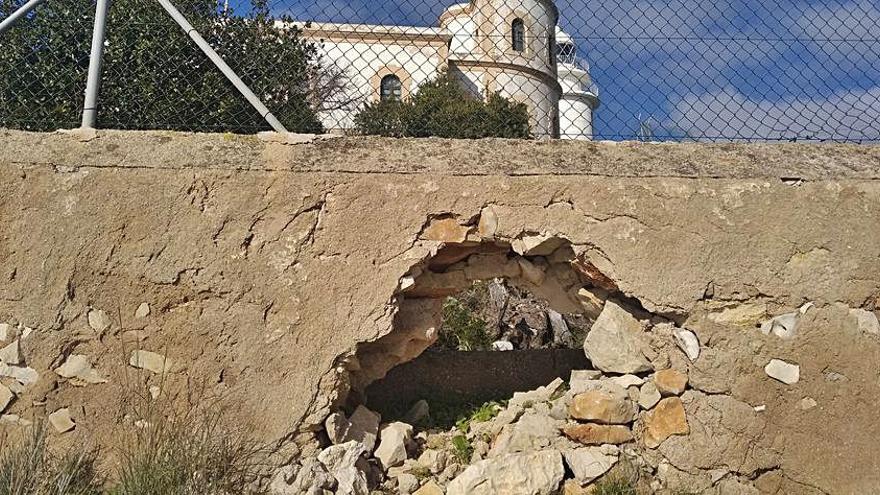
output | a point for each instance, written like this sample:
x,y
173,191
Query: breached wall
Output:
x,y
265,264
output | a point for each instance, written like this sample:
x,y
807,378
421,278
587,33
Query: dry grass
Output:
x,y
184,456
27,467
167,453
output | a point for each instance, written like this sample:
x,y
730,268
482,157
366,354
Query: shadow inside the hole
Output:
x,y
468,378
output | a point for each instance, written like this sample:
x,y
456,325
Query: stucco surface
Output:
x,y
265,264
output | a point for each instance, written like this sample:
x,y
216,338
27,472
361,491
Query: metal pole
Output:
x,y
18,14
224,68
93,83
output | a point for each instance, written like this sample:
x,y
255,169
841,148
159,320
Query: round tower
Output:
x,y
580,96
508,47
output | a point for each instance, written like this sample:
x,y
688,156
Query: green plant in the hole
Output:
x,y
462,448
484,412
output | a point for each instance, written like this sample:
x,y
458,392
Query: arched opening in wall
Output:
x,y
518,35
477,322
390,88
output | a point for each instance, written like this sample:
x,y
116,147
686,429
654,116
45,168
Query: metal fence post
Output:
x,y
93,83
18,14
223,66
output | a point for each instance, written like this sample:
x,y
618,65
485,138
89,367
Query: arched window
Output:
x,y
518,35
389,88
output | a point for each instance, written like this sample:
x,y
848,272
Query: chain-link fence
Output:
x,y
573,69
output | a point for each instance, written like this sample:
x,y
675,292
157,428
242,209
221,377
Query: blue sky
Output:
x,y
738,69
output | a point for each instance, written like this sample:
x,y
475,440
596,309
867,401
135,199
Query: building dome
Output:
x,y
508,47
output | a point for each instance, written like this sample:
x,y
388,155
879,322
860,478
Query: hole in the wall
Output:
x,y
535,299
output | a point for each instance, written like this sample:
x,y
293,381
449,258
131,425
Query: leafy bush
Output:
x,y
462,449
462,329
443,108
154,76
28,468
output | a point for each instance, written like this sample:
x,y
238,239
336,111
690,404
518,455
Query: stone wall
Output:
x,y
268,266
488,375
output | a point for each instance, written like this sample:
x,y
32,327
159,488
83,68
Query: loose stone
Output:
x,y
602,407
61,420
670,382
666,419
593,434
786,373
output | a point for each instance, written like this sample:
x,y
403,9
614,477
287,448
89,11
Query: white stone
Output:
x,y
77,366
616,341
761,408
866,321
25,376
6,397
784,372
533,431
26,332
540,394
407,483
535,473
588,463
505,417
807,403
583,380
99,321
310,478
536,245
783,326
150,361
335,426
155,391
687,341
345,463
406,282
627,381
11,354
434,460
562,336
393,440
502,345
745,315
17,388
6,331
142,311
61,420
649,396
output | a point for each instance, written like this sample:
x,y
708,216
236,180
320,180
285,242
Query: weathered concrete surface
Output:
x,y
264,265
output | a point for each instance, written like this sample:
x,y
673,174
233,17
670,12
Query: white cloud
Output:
x,y
727,114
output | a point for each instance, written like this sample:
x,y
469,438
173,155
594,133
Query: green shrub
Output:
x,y
462,448
443,108
462,329
28,468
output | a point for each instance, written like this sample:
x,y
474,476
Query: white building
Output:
x,y
504,46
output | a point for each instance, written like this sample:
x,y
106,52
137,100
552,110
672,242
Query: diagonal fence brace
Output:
x,y
223,66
